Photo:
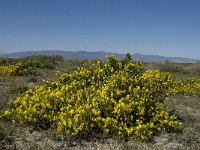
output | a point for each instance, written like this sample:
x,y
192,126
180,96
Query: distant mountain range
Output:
x,y
157,58
100,55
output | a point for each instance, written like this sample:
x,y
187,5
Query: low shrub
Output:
x,y
172,67
18,89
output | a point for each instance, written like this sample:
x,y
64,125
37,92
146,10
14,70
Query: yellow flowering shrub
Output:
x,y
110,98
18,69
188,86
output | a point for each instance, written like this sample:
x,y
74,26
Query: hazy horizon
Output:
x,y
165,28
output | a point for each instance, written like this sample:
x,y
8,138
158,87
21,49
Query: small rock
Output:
x,y
161,140
173,146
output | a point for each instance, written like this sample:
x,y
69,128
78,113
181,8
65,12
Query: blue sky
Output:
x,y
161,27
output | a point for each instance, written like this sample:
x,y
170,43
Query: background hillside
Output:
x,y
99,55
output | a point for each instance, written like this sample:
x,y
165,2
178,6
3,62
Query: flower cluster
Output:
x,y
110,98
188,86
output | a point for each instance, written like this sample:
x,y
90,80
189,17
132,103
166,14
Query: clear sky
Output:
x,y
161,27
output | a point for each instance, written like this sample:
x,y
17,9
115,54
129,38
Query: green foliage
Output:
x,y
2,133
110,98
172,68
2,61
18,89
44,59
194,69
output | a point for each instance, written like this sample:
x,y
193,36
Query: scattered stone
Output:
x,y
174,146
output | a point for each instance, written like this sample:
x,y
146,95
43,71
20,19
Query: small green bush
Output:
x,y
2,61
44,59
18,89
172,68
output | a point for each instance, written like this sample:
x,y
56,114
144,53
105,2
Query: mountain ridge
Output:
x,y
100,55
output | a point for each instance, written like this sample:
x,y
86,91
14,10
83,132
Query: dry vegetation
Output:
x,y
26,137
